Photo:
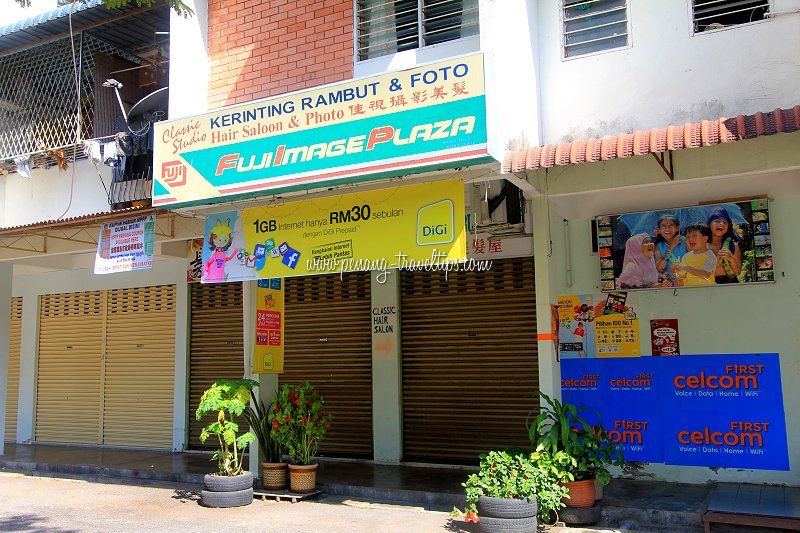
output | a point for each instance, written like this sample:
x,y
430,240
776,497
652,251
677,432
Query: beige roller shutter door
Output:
x,y
139,367
329,343
12,394
216,346
470,367
68,392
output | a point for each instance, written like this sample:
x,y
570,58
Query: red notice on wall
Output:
x,y
664,336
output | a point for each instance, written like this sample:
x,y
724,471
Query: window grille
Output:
x,y
715,14
594,25
37,96
385,27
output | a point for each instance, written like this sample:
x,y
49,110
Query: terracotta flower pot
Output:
x,y
581,493
274,476
302,478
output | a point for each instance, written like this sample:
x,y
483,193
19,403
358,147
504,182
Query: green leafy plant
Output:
x,y
226,399
559,427
257,415
299,421
521,475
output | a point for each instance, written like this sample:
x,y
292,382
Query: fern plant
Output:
x,y
227,399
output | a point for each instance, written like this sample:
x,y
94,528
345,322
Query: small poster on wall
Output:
x,y
576,326
592,326
664,336
706,245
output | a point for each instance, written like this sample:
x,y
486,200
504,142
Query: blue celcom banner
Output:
x,y
703,410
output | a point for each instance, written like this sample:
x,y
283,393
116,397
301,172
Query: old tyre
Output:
x,y
506,507
507,525
214,483
226,499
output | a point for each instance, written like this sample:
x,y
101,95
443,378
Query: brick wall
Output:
x,y
276,46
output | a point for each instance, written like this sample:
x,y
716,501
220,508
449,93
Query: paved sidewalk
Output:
x,y
36,502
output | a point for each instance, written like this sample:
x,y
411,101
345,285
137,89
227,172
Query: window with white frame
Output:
x,y
716,14
385,27
594,25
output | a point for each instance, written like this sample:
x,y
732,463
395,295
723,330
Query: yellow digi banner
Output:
x,y
407,226
268,350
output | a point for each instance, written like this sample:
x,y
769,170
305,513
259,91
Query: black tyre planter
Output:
x,y
507,525
506,507
227,491
504,515
235,498
215,483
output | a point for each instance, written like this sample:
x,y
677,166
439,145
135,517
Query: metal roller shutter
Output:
x,y
12,394
470,366
139,367
216,346
68,392
329,343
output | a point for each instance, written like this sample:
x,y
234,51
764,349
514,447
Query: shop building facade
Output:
x,y
479,345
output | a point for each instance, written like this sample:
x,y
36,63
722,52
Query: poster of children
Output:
x,y
690,246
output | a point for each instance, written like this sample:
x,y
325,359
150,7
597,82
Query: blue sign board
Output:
x,y
703,410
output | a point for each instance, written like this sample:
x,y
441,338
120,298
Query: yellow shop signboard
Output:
x,y
406,226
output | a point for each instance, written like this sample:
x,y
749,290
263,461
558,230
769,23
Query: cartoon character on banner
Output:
x,y
220,239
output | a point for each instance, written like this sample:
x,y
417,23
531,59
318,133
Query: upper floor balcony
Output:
x,y
74,80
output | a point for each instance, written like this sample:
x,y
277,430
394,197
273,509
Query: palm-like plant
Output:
x,y
257,415
227,398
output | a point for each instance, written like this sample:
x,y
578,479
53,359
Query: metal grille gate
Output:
x,y
470,363
37,97
328,342
12,394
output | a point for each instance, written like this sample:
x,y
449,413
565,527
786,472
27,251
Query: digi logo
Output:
x,y
173,173
291,258
435,223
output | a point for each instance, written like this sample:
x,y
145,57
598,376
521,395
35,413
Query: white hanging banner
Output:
x,y
125,245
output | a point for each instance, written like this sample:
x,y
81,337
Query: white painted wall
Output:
x,y
52,193
735,319
509,43
189,67
667,75
30,287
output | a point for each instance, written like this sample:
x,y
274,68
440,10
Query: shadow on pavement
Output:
x,y
185,495
30,522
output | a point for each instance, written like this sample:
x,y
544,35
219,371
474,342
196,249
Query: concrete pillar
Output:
x,y
267,383
387,391
509,41
180,398
544,233
28,358
6,275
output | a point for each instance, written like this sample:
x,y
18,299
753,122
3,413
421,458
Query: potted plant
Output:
x,y
299,421
512,487
559,427
274,471
230,486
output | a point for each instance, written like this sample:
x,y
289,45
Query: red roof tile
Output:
x,y
692,135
